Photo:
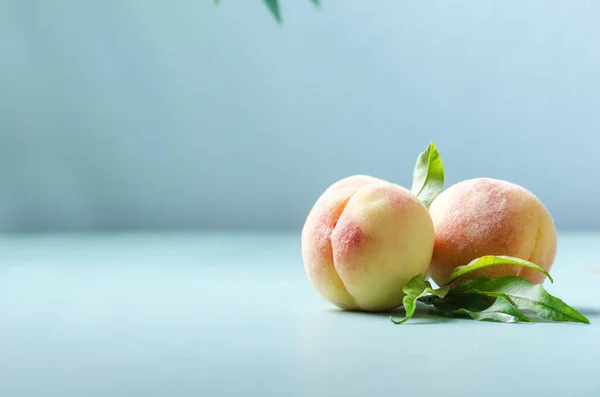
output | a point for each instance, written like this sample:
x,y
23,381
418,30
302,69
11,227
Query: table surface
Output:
x,y
234,315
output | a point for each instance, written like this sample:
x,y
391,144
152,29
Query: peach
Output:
x,y
485,216
363,240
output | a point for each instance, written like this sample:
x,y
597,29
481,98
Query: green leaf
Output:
x,y
274,8
316,3
216,2
416,288
525,295
502,311
491,260
453,302
428,175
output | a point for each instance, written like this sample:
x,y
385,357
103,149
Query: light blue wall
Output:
x,y
122,113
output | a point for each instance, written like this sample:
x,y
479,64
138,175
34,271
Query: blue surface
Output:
x,y
161,114
230,315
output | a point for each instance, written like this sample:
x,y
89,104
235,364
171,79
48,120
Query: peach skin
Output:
x,y
363,240
485,216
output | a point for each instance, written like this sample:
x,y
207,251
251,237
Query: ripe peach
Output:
x,y
363,240
486,216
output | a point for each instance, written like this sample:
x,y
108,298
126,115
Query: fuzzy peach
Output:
x,y
363,240
485,216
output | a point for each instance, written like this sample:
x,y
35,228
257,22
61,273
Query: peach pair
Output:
x,y
365,238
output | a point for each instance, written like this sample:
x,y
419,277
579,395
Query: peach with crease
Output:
x,y
363,240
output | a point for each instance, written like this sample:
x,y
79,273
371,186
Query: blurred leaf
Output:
x,y
316,3
491,260
274,8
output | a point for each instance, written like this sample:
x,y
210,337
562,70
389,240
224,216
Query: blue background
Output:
x,y
122,114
